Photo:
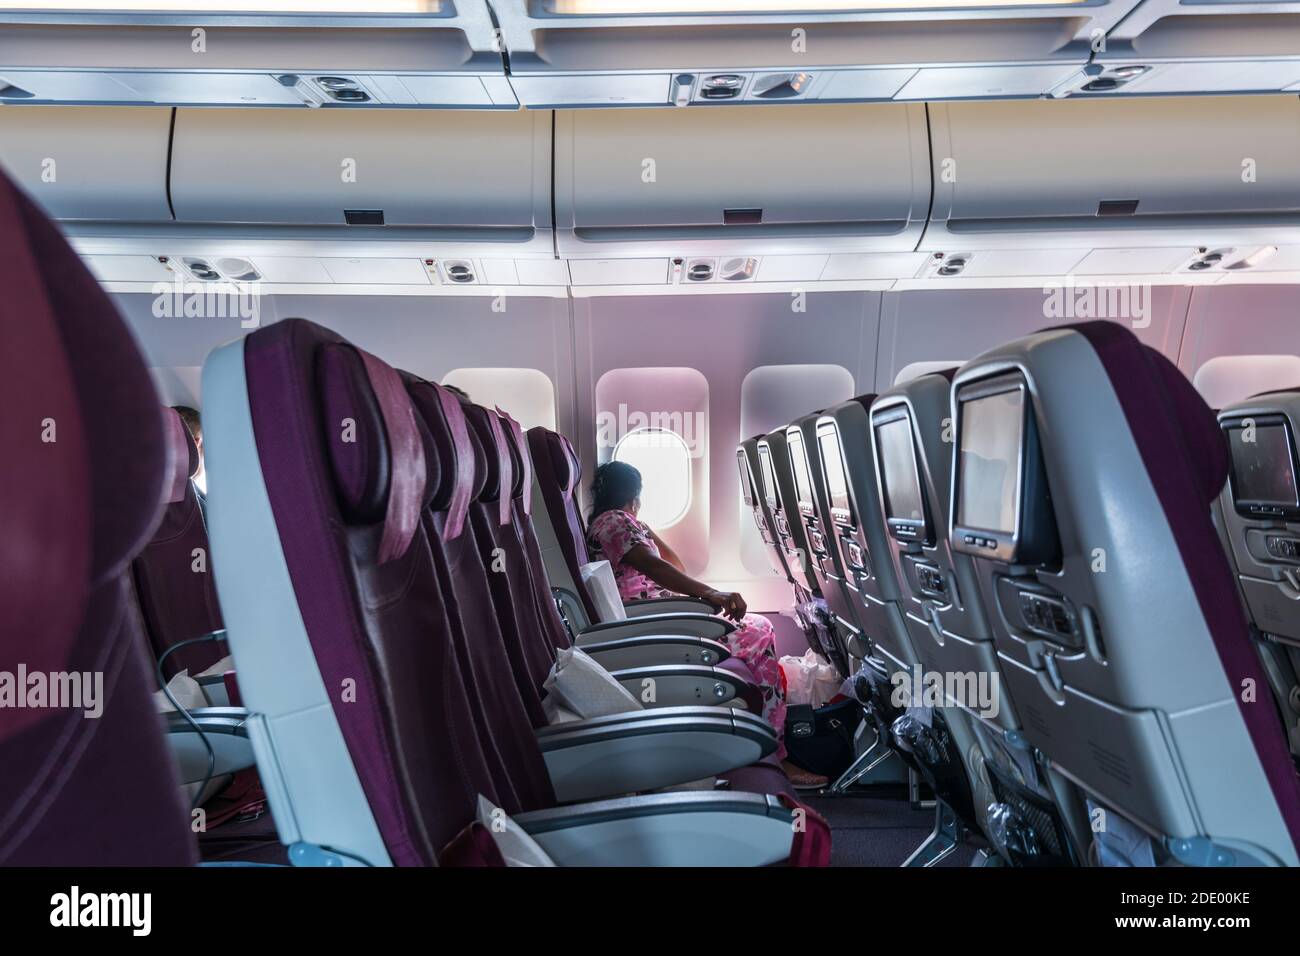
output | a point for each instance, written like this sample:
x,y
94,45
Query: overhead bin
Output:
x,y
778,180
443,54
1116,172
703,53
90,164
465,175
1168,46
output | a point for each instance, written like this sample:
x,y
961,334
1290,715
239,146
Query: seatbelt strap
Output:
x,y
407,475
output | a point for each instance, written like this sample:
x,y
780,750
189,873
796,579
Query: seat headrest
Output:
x,y
521,460
1204,452
84,444
564,464
182,455
500,474
495,465
454,445
864,400
381,457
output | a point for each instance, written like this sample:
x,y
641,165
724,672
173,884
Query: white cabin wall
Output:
x,y
1255,328
724,338
431,337
927,326
428,337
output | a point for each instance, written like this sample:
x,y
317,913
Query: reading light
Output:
x,y
609,8
318,7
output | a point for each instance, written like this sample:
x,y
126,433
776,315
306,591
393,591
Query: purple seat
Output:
x,y
86,455
562,536
530,623
1121,634
369,505
379,626
559,470
178,599
1186,459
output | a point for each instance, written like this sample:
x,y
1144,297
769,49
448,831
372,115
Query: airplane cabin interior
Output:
x,y
649,433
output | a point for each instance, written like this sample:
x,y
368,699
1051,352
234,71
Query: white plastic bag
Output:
x,y
809,679
578,684
598,578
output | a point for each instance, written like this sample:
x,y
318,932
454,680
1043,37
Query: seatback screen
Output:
x,y
902,484
1263,469
799,462
769,479
837,487
992,429
746,489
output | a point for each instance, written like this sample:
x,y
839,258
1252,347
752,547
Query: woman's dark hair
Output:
x,y
614,484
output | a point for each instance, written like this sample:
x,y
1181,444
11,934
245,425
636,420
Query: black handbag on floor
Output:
x,y
821,740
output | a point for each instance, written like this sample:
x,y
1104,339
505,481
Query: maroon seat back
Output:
x,y
462,560
82,487
333,449
1186,457
559,473
173,579
510,579
521,463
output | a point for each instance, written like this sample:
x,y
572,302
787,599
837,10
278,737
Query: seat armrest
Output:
x,y
668,605
680,685
649,749
699,625
224,729
214,689
655,649
666,829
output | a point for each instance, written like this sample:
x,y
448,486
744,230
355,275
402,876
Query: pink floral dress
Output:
x,y
614,533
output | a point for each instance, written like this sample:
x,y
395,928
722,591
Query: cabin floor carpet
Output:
x,y
878,830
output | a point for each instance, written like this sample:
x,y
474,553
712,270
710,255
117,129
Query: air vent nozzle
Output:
x,y
201,269
952,265
699,270
459,271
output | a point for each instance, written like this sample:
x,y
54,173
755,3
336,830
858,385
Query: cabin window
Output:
x,y
1227,379
526,393
657,419
664,461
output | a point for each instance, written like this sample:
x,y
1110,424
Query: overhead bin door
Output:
x,y
1206,46
477,173
1115,164
659,52
81,163
741,179
256,57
